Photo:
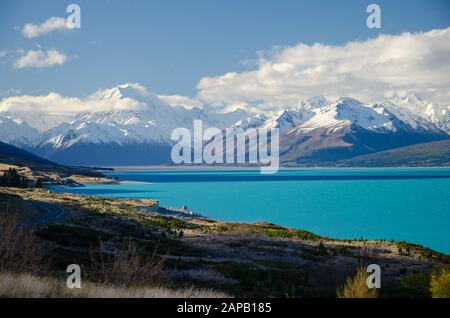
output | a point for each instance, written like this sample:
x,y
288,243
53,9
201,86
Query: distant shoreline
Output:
x,y
247,168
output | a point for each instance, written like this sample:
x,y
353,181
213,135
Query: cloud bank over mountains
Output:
x,y
368,70
386,67
54,103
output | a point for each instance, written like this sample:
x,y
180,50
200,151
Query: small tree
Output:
x,y
11,178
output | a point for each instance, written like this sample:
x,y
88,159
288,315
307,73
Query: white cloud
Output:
x,y
129,96
52,24
39,59
367,70
177,100
54,103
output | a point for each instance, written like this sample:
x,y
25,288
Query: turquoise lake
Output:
x,y
400,204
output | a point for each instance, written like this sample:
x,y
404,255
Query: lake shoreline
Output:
x,y
251,168
203,252
345,214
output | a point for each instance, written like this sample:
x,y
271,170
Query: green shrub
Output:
x,y
275,280
417,284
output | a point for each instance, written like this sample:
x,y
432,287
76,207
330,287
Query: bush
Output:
x,y
125,267
417,284
440,283
20,250
356,287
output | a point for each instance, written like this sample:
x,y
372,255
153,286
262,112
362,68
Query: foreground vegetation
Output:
x,y
128,248
27,286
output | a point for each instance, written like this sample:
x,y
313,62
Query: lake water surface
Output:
x,y
400,204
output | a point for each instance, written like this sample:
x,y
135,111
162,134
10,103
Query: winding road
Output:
x,y
53,212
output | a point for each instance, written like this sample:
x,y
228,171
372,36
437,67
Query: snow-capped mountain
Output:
x,y
325,132
344,112
22,111
141,135
138,129
308,103
16,131
348,128
437,114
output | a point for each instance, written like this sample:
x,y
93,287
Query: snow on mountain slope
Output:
x,y
440,116
41,121
312,102
377,117
250,122
68,134
349,128
26,112
317,112
151,123
15,131
128,90
136,123
437,114
344,112
287,119
291,118
325,132
412,119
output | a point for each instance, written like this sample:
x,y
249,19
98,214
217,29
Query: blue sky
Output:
x,y
169,45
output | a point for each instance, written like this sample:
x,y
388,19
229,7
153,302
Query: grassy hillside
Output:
x,y
144,249
33,167
425,155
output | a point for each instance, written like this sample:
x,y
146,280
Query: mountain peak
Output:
x,y
127,90
348,101
312,102
414,99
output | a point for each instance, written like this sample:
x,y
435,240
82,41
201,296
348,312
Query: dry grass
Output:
x,y
29,286
356,287
20,250
125,267
440,283
24,285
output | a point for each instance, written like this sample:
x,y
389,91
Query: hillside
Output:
x,y
235,259
426,154
33,167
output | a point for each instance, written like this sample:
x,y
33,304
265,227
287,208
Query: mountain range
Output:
x,y
315,131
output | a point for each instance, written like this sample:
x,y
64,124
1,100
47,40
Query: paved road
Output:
x,y
53,212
